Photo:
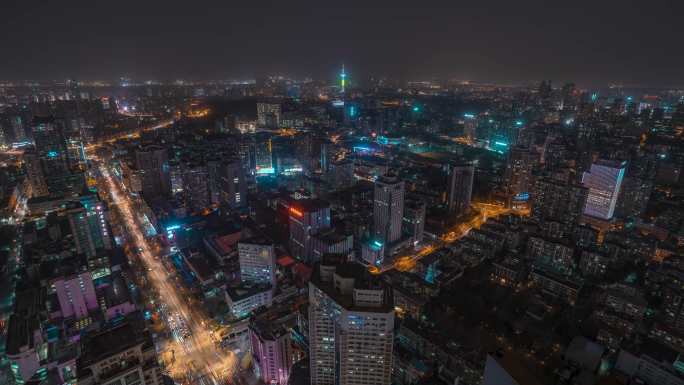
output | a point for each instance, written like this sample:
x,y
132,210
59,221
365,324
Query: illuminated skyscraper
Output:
x,y
268,115
307,217
272,346
414,220
18,128
351,325
196,186
460,188
388,208
604,180
261,156
51,145
231,183
470,126
34,172
152,162
257,261
48,167
88,226
521,162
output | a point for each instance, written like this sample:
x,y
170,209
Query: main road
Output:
x,y
198,359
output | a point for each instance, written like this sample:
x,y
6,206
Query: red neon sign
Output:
x,y
296,212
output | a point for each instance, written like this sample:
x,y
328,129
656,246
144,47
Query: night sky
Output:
x,y
589,42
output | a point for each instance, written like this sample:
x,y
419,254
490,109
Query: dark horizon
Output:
x,y
591,44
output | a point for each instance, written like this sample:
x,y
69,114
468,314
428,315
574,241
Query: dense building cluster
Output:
x,y
356,233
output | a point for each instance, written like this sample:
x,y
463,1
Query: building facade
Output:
x,y
388,208
351,326
460,188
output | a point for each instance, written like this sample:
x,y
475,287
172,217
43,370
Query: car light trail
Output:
x,y
200,360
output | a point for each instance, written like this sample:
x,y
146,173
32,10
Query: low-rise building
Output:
x,y
123,354
244,299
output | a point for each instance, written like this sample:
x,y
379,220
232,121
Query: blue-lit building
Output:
x,y
373,252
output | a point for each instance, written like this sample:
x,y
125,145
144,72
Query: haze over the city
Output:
x,y
591,43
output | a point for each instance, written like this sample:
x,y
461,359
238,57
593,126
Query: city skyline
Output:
x,y
378,193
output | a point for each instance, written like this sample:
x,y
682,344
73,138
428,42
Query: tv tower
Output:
x,y
343,79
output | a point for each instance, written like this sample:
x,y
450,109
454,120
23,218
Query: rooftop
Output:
x,y
515,368
100,345
237,293
308,205
272,323
362,280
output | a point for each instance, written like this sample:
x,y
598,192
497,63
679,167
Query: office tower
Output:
x,y
272,346
48,166
327,156
603,180
262,155
17,125
460,188
51,145
351,326
470,127
152,162
558,201
307,217
175,177
34,172
213,180
88,227
388,208
519,179
331,241
268,115
232,183
341,174
633,198
257,261
4,140
414,220
196,185
125,353
77,154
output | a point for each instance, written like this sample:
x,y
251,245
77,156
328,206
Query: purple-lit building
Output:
x,y
272,348
76,295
